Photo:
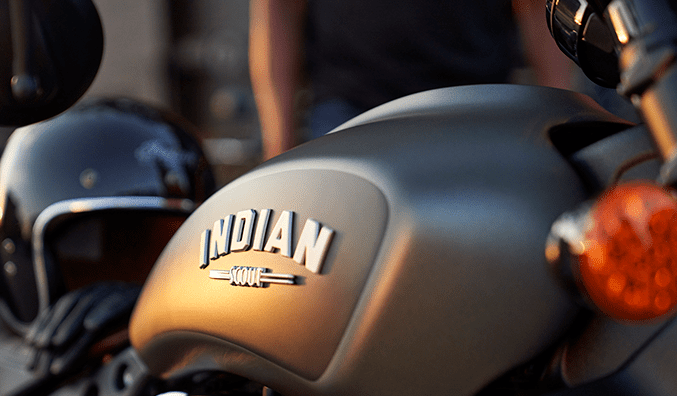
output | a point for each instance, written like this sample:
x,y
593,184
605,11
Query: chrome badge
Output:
x,y
251,276
247,230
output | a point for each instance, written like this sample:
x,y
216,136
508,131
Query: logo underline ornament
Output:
x,y
252,276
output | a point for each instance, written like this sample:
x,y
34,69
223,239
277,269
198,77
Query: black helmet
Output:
x,y
92,194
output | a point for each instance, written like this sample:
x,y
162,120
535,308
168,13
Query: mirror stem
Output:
x,y
25,86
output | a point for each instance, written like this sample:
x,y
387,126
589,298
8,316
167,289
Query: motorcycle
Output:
x,y
473,240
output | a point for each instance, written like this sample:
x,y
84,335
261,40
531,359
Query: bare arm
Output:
x,y
275,63
552,67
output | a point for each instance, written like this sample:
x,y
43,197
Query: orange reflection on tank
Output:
x,y
628,267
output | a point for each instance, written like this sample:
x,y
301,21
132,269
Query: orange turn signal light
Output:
x,y
628,256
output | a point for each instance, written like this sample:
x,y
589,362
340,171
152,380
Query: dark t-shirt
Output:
x,y
372,51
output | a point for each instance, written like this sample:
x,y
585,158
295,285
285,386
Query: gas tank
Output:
x,y
400,254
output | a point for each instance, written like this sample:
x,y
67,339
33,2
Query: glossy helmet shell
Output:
x,y
87,160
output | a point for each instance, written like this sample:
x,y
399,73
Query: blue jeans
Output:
x,y
329,114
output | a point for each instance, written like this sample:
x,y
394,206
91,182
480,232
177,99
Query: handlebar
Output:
x,y
637,39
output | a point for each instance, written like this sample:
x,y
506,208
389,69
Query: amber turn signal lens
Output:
x,y
628,264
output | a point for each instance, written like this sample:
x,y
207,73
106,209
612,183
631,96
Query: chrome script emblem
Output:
x,y
247,229
251,276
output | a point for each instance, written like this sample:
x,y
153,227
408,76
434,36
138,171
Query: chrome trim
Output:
x,y
234,233
566,20
624,24
81,205
251,276
261,227
242,230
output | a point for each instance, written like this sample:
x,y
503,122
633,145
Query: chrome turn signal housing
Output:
x,y
621,251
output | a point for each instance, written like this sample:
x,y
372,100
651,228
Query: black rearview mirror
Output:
x,y
50,53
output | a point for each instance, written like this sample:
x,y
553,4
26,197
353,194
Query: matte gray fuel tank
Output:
x,y
400,254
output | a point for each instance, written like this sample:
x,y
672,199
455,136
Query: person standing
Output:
x,y
355,55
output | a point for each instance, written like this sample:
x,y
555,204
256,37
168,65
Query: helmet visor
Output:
x,y
80,242
120,245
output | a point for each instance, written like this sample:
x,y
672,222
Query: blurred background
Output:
x,y
190,57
